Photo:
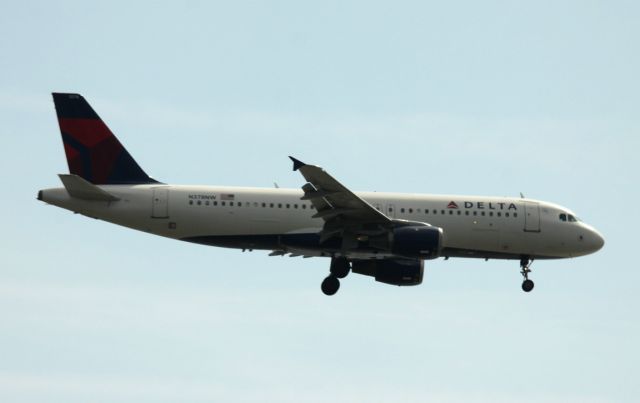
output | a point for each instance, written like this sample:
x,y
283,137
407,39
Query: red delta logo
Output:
x,y
452,204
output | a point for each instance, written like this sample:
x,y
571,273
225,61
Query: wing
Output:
x,y
342,210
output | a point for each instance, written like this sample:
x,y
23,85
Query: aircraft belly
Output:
x,y
471,237
241,222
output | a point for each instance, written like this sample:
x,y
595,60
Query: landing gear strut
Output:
x,y
340,268
525,264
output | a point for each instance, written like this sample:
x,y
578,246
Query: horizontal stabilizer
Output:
x,y
81,189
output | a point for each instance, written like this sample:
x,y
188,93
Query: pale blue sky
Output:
x,y
488,98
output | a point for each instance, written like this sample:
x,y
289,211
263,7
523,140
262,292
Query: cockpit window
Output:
x,y
568,217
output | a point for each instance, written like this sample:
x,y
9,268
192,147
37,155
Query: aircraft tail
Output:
x,y
93,152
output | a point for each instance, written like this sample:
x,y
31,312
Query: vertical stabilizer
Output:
x,y
93,152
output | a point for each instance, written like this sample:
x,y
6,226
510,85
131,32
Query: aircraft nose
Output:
x,y
598,240
594,241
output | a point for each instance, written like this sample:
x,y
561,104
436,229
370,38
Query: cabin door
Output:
x,y
160,203
531,216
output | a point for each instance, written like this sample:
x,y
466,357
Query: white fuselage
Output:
x,y
276,219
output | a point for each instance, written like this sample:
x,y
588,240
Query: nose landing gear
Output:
x,y
340,268
525,264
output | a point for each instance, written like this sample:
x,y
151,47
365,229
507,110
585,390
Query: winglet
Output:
x,y
297,164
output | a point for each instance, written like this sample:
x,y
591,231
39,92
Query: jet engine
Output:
x,y
390,271
413,241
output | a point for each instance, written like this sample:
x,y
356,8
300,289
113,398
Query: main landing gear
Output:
x,y
340,267
525,264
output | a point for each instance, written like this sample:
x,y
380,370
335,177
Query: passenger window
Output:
x,y
450,212
515,214
231,203
222,203
402,210
190,201
490,213
295,205
459,212
215,203
466,212
475,213
271,205
199,202
426,211
499,214
482,213
207,202
435,211
563,217
304,206
442,211
410,210
239,204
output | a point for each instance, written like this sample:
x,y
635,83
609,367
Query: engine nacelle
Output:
x,y
395,272
423,242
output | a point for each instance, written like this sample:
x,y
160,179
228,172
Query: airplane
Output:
x,y
387,236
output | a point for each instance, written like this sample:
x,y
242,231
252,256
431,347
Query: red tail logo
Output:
x,y
93,152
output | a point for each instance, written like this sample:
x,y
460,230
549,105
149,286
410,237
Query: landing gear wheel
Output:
x,y
339,267
525,264
330,285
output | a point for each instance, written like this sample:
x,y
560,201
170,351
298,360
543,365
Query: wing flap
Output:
x,y
345,214
333,200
